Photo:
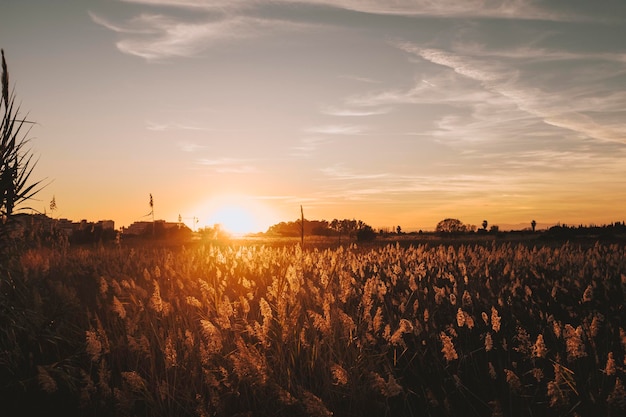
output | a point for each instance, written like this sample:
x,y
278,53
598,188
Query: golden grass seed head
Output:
x,y
103,286
617,397
539,349
339,374
448,350
573,342
46,382
118,308
495,320
485,318
460,318
93,345
134,381
610,368
513,380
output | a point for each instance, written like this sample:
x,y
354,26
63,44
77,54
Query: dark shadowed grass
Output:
x,y
354,331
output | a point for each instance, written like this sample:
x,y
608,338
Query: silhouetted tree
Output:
x,y
485,224
365,233
344,226
349,227
399,229
450,226
533,224
336,226
213,233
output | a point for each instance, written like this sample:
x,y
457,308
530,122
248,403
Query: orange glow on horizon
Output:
x,y
237,214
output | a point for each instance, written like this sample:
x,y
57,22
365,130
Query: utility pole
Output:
x,y
194,223
302,226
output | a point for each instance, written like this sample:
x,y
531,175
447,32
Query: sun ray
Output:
x,y
238,215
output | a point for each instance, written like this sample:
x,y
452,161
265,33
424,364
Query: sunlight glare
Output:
x,y
238,215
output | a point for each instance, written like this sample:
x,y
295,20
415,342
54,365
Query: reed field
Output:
x,y
219,329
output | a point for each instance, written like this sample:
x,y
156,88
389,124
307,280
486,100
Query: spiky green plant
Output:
x,y
16,160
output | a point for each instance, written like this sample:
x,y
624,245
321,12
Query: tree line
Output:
x,y
344,228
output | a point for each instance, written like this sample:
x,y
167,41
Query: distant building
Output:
x,y
70,228
106,224
136,228
139,228
66,226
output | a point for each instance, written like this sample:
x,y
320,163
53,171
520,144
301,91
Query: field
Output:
x,y
255,329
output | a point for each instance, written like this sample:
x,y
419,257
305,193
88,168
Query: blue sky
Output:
x,y
396,113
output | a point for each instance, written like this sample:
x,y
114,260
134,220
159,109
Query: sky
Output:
x,y
401,112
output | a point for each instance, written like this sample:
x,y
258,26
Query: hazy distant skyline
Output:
x,y
396,113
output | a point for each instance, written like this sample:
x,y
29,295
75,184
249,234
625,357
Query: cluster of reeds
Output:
x,y
16,167
255,330
16,160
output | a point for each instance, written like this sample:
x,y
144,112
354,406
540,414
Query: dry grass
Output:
x,y
259,330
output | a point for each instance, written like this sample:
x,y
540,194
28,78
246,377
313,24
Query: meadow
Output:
x,y
235,329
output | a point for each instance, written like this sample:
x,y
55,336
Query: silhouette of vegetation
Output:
x,y
234,330
451,226
152,214
613,231
213,233
294,228
16,160
365,233
345,227
16,167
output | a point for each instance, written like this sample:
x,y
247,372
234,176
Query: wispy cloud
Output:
x,y
319,135
197,4
505,96
229,165
341,173
307,146
135,26
540,161
441,88
532,53
518,9
557,109
161,32
336,130
289,199
191,147
157,36
161,127
360,79
354,112
352,184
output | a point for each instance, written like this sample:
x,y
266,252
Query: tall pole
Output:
x,y
302,226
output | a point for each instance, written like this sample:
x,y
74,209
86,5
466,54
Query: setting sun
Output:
x,y
235,219
238,215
